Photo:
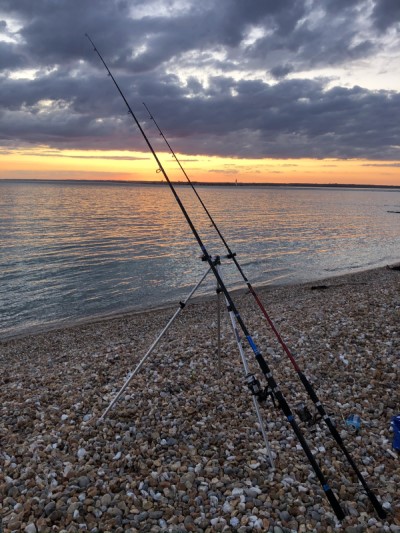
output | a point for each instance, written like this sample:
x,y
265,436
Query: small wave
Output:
x,y
96,253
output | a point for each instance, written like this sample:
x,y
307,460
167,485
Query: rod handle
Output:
x,y
334,504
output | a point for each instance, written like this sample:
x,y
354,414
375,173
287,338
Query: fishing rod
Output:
x,y
252,382
303,378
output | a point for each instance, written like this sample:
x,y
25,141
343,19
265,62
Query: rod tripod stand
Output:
x,y
250,378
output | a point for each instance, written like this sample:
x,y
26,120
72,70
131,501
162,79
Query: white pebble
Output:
x,y
227,507
81,453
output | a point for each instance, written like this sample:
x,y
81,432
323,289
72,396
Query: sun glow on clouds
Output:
x,y
144,9
46,163
9,29
23,74
253,35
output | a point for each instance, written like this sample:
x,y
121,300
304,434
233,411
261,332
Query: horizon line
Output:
x,y
204,183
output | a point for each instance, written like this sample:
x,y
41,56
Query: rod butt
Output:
x,y
334,504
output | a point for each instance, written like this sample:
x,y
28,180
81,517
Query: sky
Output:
x,y
287,91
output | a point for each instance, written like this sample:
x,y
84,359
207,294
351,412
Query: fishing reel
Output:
x,y
305,415
256,390
216,259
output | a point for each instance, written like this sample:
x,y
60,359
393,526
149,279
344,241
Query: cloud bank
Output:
x,y
230,78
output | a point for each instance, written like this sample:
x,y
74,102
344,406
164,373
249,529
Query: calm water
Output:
x,y
75,250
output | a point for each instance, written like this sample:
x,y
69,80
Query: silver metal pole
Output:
x,y
219,330
247,371
153,346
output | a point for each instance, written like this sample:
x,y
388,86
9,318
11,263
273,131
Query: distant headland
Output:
x,y
202,183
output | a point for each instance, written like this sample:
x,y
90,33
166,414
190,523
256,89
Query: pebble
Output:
x,y
182,450
106,500
49,508
81,453
285,516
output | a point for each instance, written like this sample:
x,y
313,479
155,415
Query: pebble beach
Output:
x,y
182,449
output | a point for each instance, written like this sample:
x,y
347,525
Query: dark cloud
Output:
x,y
381,165
281,71
97,156
10,57
215,74
386,14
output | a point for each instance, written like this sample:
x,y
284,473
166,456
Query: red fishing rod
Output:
x,y
252,382
303,378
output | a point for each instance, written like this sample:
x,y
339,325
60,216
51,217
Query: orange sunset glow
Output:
x,y
238,101
43,163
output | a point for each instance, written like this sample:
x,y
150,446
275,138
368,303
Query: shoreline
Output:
x,y
172,305
182,450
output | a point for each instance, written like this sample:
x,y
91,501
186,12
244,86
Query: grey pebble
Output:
x,y
142,516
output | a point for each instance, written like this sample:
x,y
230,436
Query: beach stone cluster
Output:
x,y
182,451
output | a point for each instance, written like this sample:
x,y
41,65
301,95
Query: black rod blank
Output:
x,y
259,358
303,378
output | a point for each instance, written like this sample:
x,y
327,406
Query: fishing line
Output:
x,y
307,385
252,382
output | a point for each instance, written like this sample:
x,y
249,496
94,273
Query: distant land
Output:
x,y
202,183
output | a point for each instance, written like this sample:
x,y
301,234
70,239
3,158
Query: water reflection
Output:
x,y
69,250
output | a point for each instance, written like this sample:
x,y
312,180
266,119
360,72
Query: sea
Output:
x,y
72,251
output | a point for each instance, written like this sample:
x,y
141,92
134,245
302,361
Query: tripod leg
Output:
x,y
247,371
153,346
219,330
